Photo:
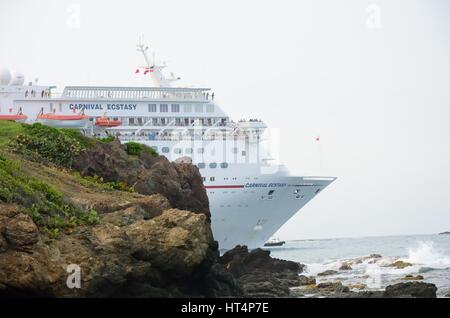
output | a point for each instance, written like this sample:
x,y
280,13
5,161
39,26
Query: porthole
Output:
x,y
188,151
213,165
201,165
224,165
177,151
165,149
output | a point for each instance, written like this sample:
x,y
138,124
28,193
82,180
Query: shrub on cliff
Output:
x,y
49,145
45,204
135,149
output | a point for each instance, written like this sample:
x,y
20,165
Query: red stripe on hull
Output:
x,y
225,187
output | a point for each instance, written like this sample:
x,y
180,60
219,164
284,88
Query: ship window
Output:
x,y
188,151
201,165
213,165
224,165
198,108
165,149
139,121
152,108
175,108
243,153
200,150
163,108
131,121
60,107
203,178
51,107
212,178
271,192
210,108
187,108
235,150
177,151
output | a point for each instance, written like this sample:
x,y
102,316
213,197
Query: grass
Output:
x,y
98,183
9,130
47,206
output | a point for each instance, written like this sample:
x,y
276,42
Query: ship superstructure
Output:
x,y
250,197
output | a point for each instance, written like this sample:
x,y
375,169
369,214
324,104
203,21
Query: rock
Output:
x,y
375,256
183,160
400,264
447,295
327,273
260,275
334,287
411,289
175,242
21,232
357,286
171,255
304,280
411,277
180,183
362,294
345,267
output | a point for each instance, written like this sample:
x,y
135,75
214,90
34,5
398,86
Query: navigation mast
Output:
x,y
156,74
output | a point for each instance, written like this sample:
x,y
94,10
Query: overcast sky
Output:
x,y
371,78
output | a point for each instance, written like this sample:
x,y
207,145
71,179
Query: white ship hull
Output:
x,y
248,216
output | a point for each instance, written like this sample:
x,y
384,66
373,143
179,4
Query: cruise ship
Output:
x,y
250,195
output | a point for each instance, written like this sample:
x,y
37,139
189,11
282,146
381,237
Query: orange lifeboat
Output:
x,y
107,122
19,117
63,121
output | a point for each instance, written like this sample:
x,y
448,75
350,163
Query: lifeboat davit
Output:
x,y
19,117
107,122
63,121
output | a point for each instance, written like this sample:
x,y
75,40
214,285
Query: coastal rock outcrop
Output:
x,y
166,256
260,275
86,218
180,183
411,289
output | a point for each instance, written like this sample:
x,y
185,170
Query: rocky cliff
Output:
x,y
88,218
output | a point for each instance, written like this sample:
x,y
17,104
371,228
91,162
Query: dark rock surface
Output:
x,y
260,275
411,289
180,183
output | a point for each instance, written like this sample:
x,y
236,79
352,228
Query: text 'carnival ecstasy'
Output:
x,y
250,197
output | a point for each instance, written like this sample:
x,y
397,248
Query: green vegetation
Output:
x,y
98,183
8,130
46,205
107,139
47,144
135,149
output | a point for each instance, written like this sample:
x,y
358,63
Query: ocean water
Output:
x,y
428,254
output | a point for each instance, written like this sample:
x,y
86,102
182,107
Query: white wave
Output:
x,y
427,256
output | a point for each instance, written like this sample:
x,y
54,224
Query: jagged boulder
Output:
x,y
260,275
180,183
411,289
